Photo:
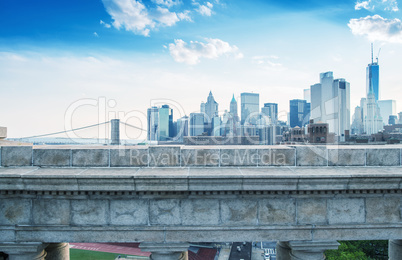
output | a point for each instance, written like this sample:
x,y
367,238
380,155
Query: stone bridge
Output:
x,y
304,197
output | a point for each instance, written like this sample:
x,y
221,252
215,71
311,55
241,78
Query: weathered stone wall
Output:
x,y
207,156
199,204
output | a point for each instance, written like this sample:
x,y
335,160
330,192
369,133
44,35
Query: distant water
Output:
x,y
73,141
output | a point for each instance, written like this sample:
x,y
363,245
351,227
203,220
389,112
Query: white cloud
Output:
x,y
185,16
371,5
192,52
129,14
135,16
376,28
167,3
105,24
206,9
96,34
165,17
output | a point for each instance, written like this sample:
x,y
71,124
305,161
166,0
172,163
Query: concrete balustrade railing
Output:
x,y
166,197
206,156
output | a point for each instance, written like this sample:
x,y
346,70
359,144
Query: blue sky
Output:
x,y
137,53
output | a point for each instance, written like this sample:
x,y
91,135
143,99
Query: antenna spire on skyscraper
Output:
x,y
371,53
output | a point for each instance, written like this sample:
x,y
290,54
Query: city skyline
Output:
x,y
55,54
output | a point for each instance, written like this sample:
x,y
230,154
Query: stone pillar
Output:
x,y
394,249
58,251
282,250
310,250
24,251
165,251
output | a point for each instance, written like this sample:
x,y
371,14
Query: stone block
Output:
x,y
89,212
51,212
239,212
276,157
213,178
311,155
383,157
239,157
106,184
165,212
129,212
51,157
128,157
346,211
161,179
16,155
15,211
311,211
383,210
200,212
162,156
346,157
277,211
3,132
90,157
200,157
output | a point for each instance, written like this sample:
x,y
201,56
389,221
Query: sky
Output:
x,y
68,64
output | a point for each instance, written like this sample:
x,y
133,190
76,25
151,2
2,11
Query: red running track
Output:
x,y
117,248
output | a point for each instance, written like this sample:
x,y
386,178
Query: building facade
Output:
x,y
330,103
196,124
387,108
299,114
372,79
152,123
165,123
250,106
271,110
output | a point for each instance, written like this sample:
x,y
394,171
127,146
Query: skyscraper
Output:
x,y
216,126
165,123
330,103
182,128
152,123
373,120
250,105
372,77
271,110
211,107
299,112
196,124
341,90
307,95
357,126
233,107
387,108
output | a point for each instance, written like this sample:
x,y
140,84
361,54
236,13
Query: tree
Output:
x,y
359,250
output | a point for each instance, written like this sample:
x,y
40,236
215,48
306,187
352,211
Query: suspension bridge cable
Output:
x,y
133,126
80,128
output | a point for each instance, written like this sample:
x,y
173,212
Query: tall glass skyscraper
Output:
x,y
372,77
330,103
250,106
196,124
299,112
165,123
271,110
152,118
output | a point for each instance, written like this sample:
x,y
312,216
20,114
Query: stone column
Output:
x,y
310,250
394,249
58,251
165,251
282,250
24,251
